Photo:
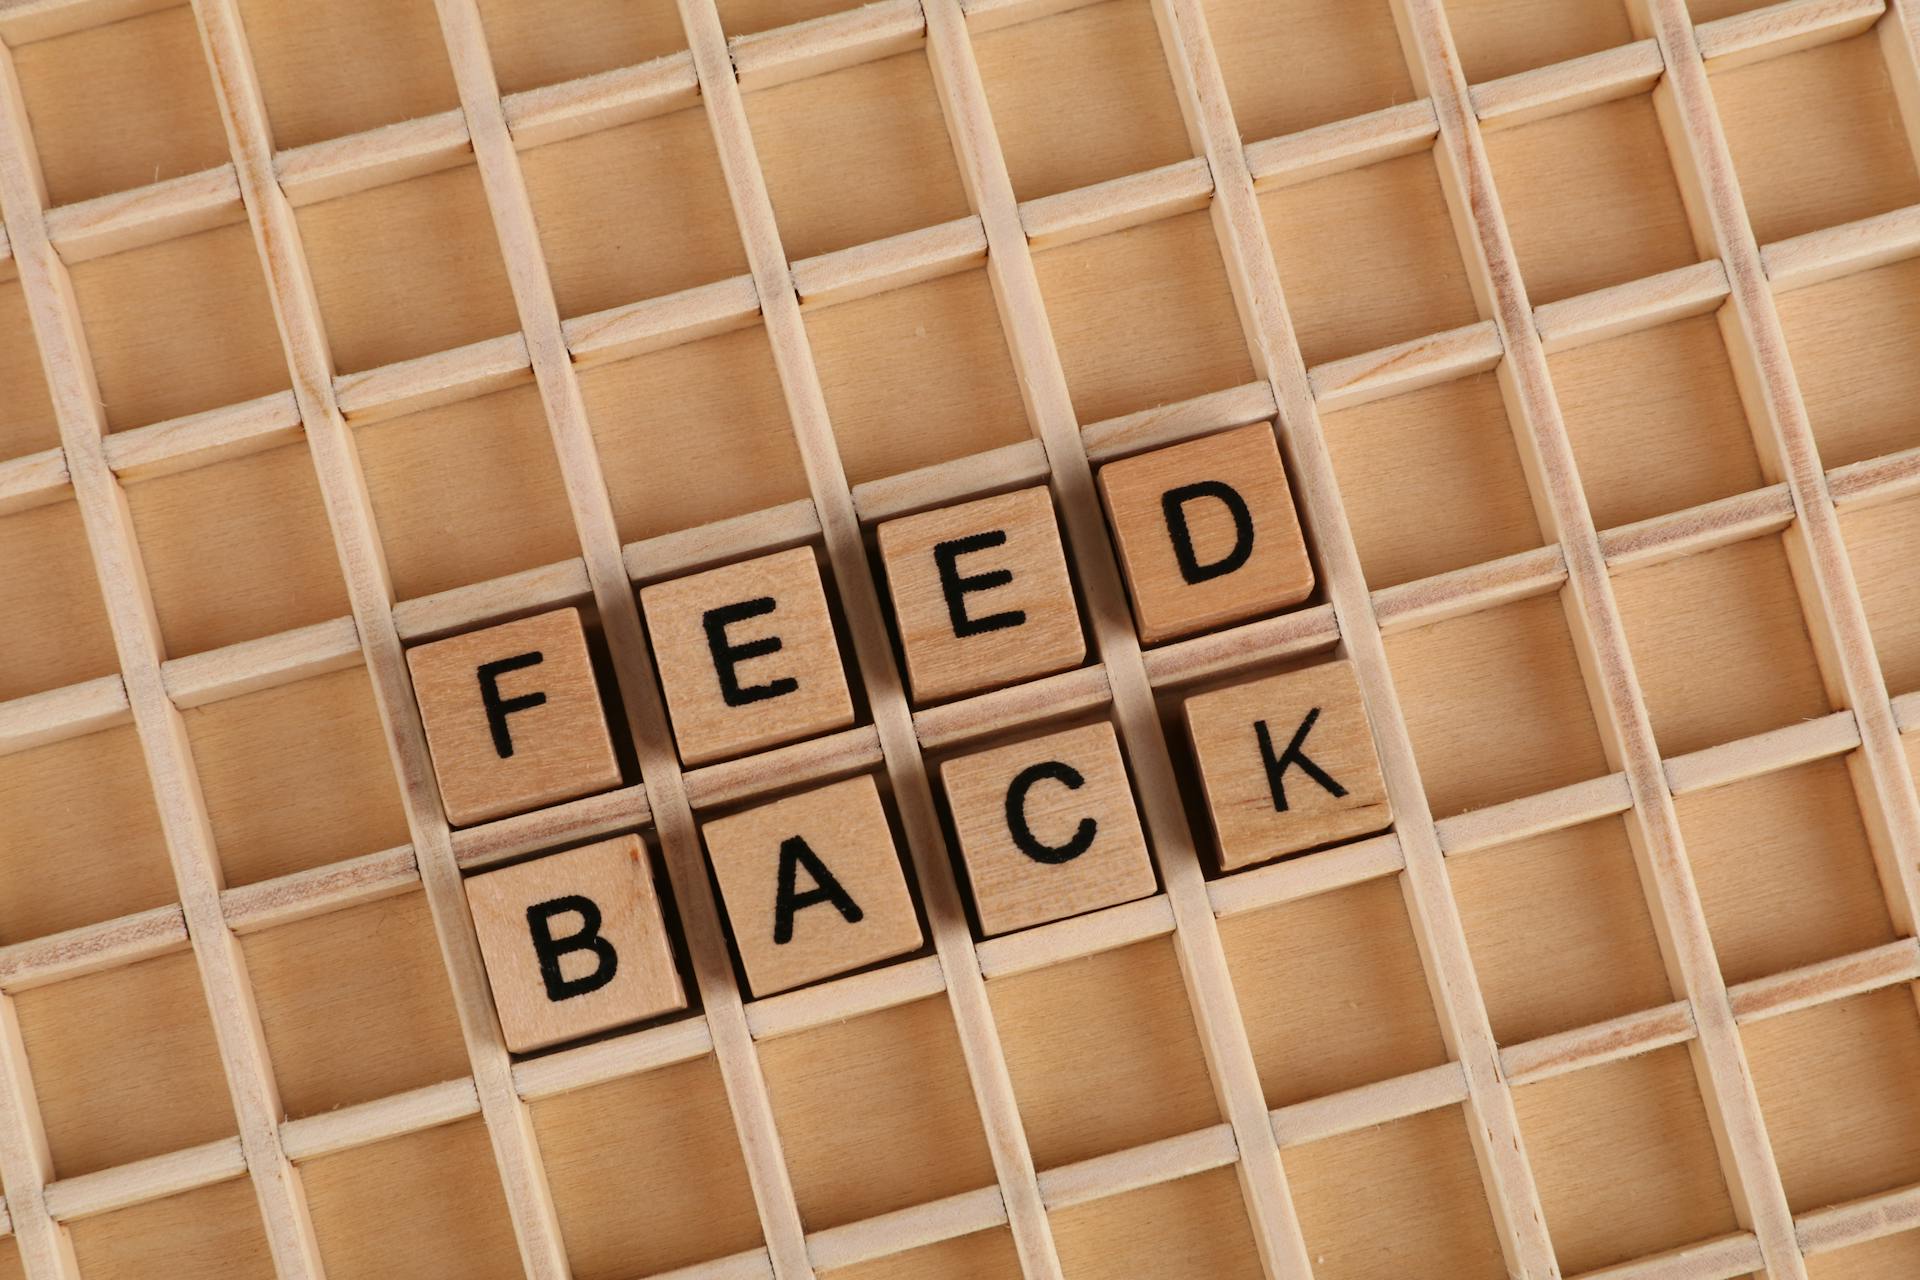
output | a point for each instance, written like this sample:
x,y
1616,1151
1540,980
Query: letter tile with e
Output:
x,y
513,717
981,595
1048,828
747,656
1288,763
812,885
1207,532
574,943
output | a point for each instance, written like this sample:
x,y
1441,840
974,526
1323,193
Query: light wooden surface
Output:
x,y
513,717
748,657
1047,828
574,973
1582,326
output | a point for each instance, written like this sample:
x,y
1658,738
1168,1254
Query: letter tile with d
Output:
x,y
747,656
1048,828
1207,533
513,717
574,943
981,594
812,885
1288,763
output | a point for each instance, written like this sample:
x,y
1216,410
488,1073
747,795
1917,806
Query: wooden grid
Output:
x,y
1671,59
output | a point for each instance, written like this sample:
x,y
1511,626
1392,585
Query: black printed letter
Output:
x,y
795,854
1173,505
1293,755
727,656
955,585
498,708
549,948
1067,776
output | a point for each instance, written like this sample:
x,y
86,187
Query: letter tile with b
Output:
x,y
513,717
812,885
1288,763
981,595
1207,533
574,943
1048,828
747,656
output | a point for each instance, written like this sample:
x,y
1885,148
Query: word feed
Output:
x,y
813,883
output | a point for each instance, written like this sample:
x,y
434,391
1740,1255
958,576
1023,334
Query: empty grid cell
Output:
x,y
83,843
408,269
1590,199
1850,340
916,376
538,42
1816,138
1143,317
260,519
10,1264
1103,1053
1496,705
1784,870
27,424
1194,1226
671,424
1446,451
328,70
1720,645
467,492
162,351
1398,1199
53,626
861,1103
1343,58
1839,1087
1881,543
1624,1158
874,128
1888,1258
1368,258
1080,97
646,1173
984,1255
1332,991
427,1206
1559,931
119,106
745,17
1656,422
296,777
125,1064
1504,37
210,1231
355,1005
633,212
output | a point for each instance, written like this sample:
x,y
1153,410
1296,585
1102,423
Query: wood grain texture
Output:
x,y
1018,622
747,656
627,973
828,856
1051,788
492,760
1190,520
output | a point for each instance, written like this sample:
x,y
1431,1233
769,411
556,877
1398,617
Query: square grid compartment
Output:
x,y
465,490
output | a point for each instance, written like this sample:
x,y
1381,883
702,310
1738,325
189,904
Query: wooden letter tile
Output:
x,y
1288,763
981,594
513,717
1207,533
1048,828
747,656
574,943
812,885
